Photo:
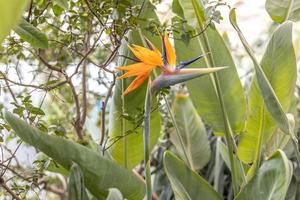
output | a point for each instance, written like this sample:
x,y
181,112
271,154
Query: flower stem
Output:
x,y
147,142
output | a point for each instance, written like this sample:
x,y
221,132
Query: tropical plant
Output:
x,y
175,122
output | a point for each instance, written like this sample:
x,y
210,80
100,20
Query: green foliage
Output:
x,y
279,58
99,173
31,34
241,168
271,101
283,10
10,13
57,74
192,132
62,3
271,181
205,98
126,112
187,184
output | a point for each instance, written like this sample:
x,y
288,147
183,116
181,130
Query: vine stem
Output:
x,y
178,134
146,131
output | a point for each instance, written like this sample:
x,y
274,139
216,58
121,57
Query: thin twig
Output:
x,y
29,11
2,183
104,109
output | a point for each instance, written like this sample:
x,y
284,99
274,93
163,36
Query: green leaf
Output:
x,y
241,168
76,188
279,140
128,150
10,13
35,110
271,181
186,184
203,90
52,166
283,10
114,194
32,35
271,101
192,132
62,3
270,94
99,173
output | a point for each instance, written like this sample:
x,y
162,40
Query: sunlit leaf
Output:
x,y
10,13
270,93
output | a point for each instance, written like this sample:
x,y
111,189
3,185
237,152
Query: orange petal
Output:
x,y
138,65
171,57
136,72
137,82
147,56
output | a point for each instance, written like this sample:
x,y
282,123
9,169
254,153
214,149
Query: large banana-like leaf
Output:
x,y
271,181
192,131
128,151
10,13
186,184
283,10
99,173
203,91
279,66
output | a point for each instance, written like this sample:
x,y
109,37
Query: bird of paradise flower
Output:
x,y
150,58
